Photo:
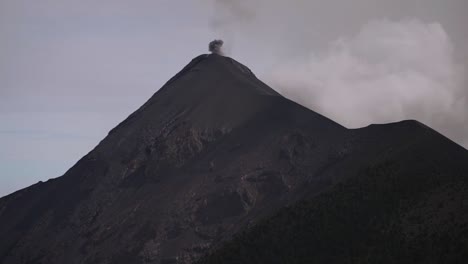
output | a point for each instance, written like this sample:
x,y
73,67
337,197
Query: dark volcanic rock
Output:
x,y
211,153
407,203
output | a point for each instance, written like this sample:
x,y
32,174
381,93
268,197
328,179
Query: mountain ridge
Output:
x,y
213,151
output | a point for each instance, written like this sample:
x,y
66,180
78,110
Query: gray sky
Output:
x,y
72,70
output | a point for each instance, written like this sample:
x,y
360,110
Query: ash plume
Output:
x,y
215,47
369,69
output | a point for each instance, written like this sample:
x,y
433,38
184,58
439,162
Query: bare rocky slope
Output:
x,y
210,155
408,203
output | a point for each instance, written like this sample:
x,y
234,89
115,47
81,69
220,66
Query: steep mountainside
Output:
x,y
407,204
213,152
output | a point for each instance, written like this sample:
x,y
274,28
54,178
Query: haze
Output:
x,y
72,70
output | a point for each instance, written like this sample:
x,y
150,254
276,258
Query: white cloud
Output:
x,y
387,72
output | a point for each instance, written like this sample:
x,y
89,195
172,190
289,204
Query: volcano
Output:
x,y
217,167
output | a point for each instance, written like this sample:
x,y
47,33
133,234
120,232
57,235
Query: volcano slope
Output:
x,y
214,152
407,204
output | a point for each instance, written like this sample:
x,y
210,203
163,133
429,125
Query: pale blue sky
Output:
x,y
72,70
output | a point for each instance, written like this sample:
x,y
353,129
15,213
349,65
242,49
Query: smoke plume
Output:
x,y
388,72
380,71
215,46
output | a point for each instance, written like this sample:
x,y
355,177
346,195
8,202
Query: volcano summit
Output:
x,y
217,167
